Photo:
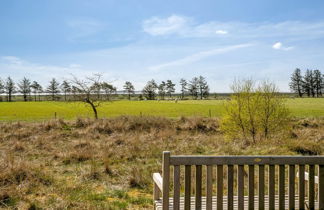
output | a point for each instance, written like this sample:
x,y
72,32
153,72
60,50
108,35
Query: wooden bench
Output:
x,y
244,188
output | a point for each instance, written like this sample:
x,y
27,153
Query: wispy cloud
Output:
x,y
83,27
197,57
279,46
187,27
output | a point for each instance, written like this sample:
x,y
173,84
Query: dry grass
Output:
x,y
107,164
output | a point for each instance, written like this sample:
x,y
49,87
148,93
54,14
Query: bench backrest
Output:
x,y
270,179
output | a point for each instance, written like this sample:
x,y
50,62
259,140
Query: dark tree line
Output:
x,y
197,87
311,83
68,90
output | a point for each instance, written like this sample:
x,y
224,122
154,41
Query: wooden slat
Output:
x,y
176,188
251,187
187,186
166,180
246,160
240,186
261,187
271,187
209,188
157,178
281,187
321,186
220,187
311,187
291,187
301,186
230,190
198,187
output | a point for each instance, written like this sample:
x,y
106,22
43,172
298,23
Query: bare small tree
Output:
x,y
85,91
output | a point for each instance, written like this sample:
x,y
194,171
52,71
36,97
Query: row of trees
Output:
x,y
310,84
68,89
197,87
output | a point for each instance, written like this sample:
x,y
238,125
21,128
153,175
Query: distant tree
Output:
x,y
149,91
318,82
129,89
193,87
2,88
53,88
296,84
66,88
109,89
203,87
36,89
183,84
84,91
24,88
162,88
10,88
309,83
170,88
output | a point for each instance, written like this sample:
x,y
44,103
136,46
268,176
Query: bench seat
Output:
x,y
158,203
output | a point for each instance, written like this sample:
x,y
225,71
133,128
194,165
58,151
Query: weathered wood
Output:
x,y
198,187
156,192
291,187
240,187
321,186
230,190
219,187
187,186
157,178
281,187
246,160
251,187
176,188
209,188
271,186
301,186
166,180
261,187
311,187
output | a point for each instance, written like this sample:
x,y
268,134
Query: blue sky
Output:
x,y
137,40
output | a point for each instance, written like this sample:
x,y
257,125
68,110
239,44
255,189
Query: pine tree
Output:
x,y
193,87
10,88
183,84
53,88
203,87
36,89
2,88
66,88
129,89
162,88
296,84
24,87
150,90
309,84
318,82
170,88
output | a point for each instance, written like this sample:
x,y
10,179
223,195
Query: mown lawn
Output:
x,y
306,107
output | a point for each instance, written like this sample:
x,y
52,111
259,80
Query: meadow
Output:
x,y
31,111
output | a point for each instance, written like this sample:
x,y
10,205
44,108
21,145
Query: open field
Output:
x,y
108,163
305,107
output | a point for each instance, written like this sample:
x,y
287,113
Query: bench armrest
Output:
x,y
157,178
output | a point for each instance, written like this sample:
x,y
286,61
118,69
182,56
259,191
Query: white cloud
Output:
x,y
221,32
158,26
197,57
279,46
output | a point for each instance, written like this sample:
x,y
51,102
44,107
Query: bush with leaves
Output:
x,y
255,113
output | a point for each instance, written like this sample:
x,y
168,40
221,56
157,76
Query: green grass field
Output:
x,y
306,107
